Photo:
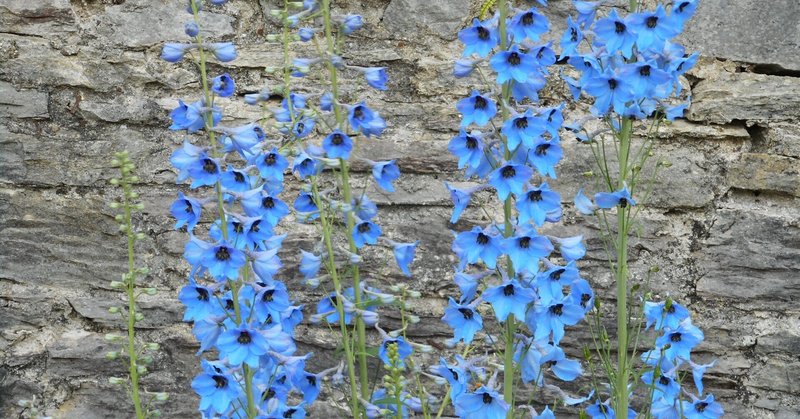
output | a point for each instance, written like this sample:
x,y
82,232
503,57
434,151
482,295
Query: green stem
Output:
x,y
130,290
355,406
346,192
621,387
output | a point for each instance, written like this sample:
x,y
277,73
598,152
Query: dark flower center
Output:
x,y
312,379
238,228
573,35
663,380
363,227
255,228
602,408
675,337
270,159
228,304
268,202
454,372
508,172
612,84
585,299
521,123
541,149
700,406
651,21
209,166
222,254
300,126
188,209
219,381
289,413
467,313
268,394
644,71
513,58
267,298
334,301
508,290
358,112
483,33
482,239
480,102
487,398
556,275
472,143
527,19
202,294
524,242
540,53
619,27
682,6
535,196
623,202
269,319
557,309
238,177
337,139
244,337
671,309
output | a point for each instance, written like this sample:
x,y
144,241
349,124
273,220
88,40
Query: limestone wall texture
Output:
x,y
80,79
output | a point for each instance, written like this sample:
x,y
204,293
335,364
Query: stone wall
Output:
x,y
80,79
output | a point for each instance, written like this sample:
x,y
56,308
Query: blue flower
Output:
x,y
266,264
610,91
404,350
460,198
513,65
223,261
546,414
510,178
530,24
664,384
646,80
304,165
326,101
376,77
463,68
653,29
233,180
309,264
583,204
198,300
552,281
564,368
476,109
305,203
273,298
525,249
601,411
586,12
256,231
544,56
190,117
698,370
305,34
191,29
365,232
384,173
663,408
479,38
186,211
535,203
681,12
173,52
223,85
482,404
309,386
544,155
571,38
364,208
204,171
242,345
468,148
615,34
464,319
207,331
271,165
571,248
337,145
223,51
363,119
661,316
702,409
327,308
217,390
580,292
522,129
478,245
607,200
404,255
303,127
679,342
510,297
352,23
552,314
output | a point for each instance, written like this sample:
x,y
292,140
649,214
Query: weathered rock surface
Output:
x,y
82,79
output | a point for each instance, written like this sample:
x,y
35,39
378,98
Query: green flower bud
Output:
x,y
116,380
113,310
162,397
112,355
150,291
117,285
138,316
152,346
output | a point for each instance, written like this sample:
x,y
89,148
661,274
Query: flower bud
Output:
x,y
426,349
112,355
155,413
273,37
588,174
150,291
275,12
141,369
414,294
134,179
162,397
139,206
152,346
114,181
147,359
119,217
111,337
114,205
412,318
116,380
117,285
655,269
133,195
138,316
140,236
143,271
115,162
270,70
113,310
